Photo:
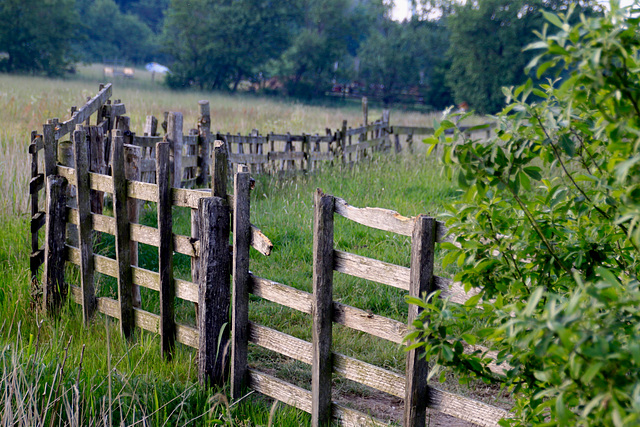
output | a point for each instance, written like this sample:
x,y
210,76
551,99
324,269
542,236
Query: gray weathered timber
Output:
x,y
322,308
165,251
150,126
280,390
123,234
83,113
421,284
97,164
149,279
204,142
214,293
50,149
465,409
372,269
54,286
84,225
174,138
132,172
219,170
241,278
281,294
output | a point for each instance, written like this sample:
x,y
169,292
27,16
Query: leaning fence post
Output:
x,y
174,137
240,273
420,285
204,129
322,308
123,233
85,233
219,168
165,251
214,292
54,250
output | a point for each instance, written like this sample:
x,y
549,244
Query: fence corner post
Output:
x,y
54,287
214,290
240,273
322,309
420,285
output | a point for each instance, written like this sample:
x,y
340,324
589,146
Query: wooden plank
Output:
x,y
83,113
36,259
214,295
453,290
348,367
204,142
248,158
411,130
190,139
382,219
146,141
421,284
36,183
148,165
54,286
281,294
280,390
316,156
348,417
97,163
187,291
37,222
84,225
165,250
36,145
151,128
260,242
219,171
174,138
241,282
372,324
118,109
189,161
372,269
123,234
140,233
50,149
143,319
464,408
290,155
321,368
132,172
285,137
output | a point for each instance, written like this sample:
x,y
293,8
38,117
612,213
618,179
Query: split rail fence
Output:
x,y
215,216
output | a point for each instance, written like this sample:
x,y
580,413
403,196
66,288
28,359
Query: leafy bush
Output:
x,y
548,227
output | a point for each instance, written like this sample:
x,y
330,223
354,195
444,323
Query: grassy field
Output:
x,y
89,376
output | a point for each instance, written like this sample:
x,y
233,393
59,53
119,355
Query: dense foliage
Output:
x,y
548,229
35,36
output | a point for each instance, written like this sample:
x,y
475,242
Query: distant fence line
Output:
x,y
73,218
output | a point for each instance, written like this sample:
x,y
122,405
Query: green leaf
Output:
x,y
470,339
552,18
533,301
591,372
447,124
473,301
533,172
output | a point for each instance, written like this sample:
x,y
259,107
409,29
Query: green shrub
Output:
x,y
548,228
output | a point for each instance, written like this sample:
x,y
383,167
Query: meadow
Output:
x,y
55,368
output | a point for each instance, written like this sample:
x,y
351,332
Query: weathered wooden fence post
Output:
x,y
342,143
123,233
54,286
365,110
174,137
85,233
38,218
132,161
322,309
420,285
204,145
97,163
214,292
240,273
165,251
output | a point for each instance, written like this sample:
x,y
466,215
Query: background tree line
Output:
x,y
447,53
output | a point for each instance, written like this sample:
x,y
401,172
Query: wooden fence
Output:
x,y
214,215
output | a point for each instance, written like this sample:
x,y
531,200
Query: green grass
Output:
x,y
144,387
